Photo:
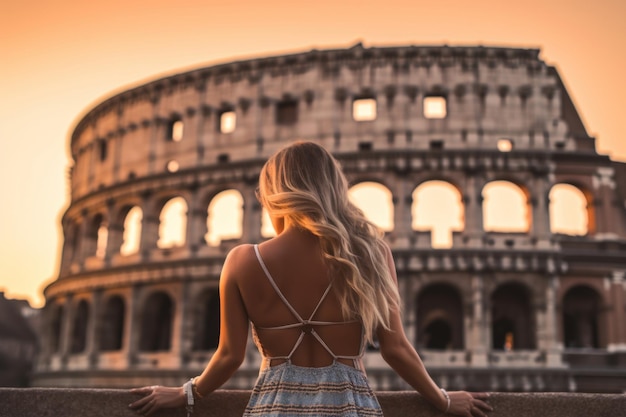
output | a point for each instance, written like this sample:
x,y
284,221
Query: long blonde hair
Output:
x,y
304,183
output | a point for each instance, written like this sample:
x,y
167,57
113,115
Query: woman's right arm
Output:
x,y
398,352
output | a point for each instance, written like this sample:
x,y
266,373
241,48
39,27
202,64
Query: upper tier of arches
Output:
x,y
437,208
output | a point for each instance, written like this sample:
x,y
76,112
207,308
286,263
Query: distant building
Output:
x,y
18,342
525,304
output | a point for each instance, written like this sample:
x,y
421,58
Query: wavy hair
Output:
x,y
304,183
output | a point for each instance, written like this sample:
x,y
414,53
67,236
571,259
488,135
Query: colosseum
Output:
x,y
508,228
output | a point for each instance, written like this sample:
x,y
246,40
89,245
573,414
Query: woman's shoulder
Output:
x,y
241,253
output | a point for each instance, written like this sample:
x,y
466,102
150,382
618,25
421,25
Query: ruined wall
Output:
x,y
529,309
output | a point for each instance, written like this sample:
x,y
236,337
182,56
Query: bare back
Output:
x,y
295,263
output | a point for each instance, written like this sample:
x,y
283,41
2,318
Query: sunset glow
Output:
x,y
60,58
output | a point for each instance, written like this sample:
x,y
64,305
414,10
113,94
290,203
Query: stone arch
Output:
x,y
207,320
173,223
581,318
512,318
131,230
438,207
224,217
439,318
505,207
112,324
376,202
157,319
79,327
571,210
73,241
267,230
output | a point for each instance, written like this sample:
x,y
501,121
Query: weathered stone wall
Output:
x,y
33,402
499,309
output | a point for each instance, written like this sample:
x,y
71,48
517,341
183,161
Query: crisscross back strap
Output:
x,y
306,326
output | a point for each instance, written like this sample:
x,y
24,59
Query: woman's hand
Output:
x,y
468,404
157,397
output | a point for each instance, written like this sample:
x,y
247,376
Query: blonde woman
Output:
x,y
315,295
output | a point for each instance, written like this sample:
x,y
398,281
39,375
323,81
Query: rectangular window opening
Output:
x,y
287,112
103,150
435,107
364,109
227,121
436,144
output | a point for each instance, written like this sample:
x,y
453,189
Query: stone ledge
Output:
x,y
42,402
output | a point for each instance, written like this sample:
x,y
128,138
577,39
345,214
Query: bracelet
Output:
x,y
188,390
194,389
445,394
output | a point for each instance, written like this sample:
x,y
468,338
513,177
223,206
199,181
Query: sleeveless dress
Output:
x,y
288,390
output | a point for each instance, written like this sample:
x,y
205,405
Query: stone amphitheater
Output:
x,y
521,304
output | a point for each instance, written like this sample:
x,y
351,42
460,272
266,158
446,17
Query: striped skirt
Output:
x,y
288,390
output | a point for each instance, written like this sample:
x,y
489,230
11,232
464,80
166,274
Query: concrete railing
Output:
x,y
43,402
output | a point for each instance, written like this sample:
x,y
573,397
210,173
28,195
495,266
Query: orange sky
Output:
x,y
58,58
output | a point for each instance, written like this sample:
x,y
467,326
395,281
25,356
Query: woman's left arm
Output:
x,y
230,352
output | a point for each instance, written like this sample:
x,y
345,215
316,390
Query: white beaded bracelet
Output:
x,y
188,390
445,394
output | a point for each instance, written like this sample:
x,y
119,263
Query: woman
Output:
x,y
316,294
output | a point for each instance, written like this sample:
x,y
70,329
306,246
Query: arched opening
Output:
x,y
439,318
207,319
512,318
505,208
74,237
438,334
156,323
569,210
225,217
56,323
97,236
79,328
375,200
504,334
101,245
112,326
437,206
267,230
581,313
173,223
131,237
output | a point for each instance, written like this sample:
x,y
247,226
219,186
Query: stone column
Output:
x,y
617,329
155,127
608,219
551,344
94,329
149,227
132,326
66,330
478,331
540,223
185,336
402,216
203,113
252,215
196,223
69,237
115,232
84,245
472,199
